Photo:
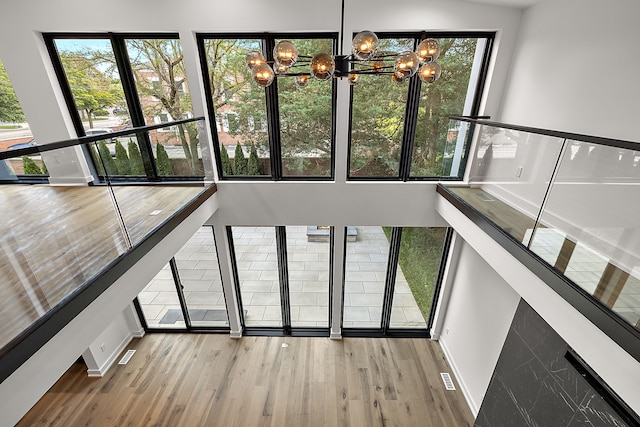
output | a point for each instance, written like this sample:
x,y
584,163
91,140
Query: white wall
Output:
x,y
576,68
616,367
478,315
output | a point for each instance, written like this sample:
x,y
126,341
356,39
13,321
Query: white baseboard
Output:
x,y
114,355
463,387
236,334
138,334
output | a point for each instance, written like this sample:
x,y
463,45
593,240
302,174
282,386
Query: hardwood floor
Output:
x,y
54,239
212,380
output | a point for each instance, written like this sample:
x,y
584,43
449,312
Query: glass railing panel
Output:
x,y
54,240
590,222
455,148
508,177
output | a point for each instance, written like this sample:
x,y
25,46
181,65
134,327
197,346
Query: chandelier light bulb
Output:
x,y
406,64
280,69
428,50
302,81
429,73
398,77
254,58
322,66
263,74
365,45
354,79
285,53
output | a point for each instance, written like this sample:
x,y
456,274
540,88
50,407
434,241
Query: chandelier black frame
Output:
x,y
366,58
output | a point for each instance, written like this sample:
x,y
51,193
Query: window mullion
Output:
x,y
133,102
283,274
273,115
410,123
390,280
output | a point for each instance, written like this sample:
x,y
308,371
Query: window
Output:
x,y
279,132
17,135
113,82
401,130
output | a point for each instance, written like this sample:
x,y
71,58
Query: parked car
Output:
x,y
97,131
27,144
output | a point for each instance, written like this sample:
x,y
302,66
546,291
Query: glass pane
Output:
x,y
509,177
377,120
117,156
257,262
590,221
199,273
419,264
305,117
366,269
308,263
15,133
92,75
161,82
445,97
160,303
240,107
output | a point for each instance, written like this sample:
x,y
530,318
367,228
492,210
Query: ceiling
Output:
x,y
520,4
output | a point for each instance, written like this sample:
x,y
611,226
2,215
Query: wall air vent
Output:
x,y
448,382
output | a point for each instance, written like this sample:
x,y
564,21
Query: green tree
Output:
x,y
164,58
92,89
122,159
135,159
107,162
239,161
165,168
30,167
10,110
226,162
253,165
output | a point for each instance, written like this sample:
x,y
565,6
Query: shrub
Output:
x,y
96,160
29,166
122,159
239,162
226,162
135,159
105,157
253,166
165,167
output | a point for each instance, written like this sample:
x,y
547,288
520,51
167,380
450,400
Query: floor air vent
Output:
x,y
485,197
128,355
448,382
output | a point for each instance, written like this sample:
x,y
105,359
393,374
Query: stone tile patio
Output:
x,y
308,264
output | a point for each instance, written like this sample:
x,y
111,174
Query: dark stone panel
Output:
x,y
599,412
499,408
533,383
543,341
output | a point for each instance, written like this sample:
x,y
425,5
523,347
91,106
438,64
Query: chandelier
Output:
x,y
365,58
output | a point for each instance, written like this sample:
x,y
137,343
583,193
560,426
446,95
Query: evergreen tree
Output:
x,y
226,162
96,160
165,168
29,166
105,158
239,161
122,159
135,159
254,166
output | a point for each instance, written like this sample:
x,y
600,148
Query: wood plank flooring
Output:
x,y
212,380
54,239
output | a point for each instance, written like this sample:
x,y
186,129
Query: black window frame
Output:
x,y
132,99
272,108
413,101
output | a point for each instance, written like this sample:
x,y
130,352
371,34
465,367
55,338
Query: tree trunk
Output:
x,y
89,114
